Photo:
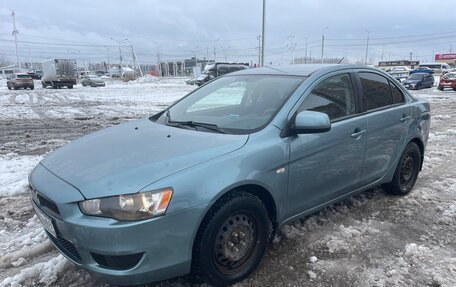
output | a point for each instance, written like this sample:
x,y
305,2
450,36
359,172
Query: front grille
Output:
x,y
66,247
42,201
47,203
117,262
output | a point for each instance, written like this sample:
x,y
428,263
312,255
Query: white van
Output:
x,y
440,68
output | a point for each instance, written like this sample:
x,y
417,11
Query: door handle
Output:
x,y
358,133
405,118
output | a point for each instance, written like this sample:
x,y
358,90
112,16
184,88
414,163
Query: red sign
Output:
x,y
443,57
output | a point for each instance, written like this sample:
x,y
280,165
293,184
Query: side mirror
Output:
x,y
308,122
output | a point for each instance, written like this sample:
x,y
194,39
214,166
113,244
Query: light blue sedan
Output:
x,y
202,186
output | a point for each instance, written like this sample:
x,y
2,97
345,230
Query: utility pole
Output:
x,y
323,43
367,47
291,47
107,57
215,41
259,49
411,56
305,55
262,34
158,63
15,32
120,52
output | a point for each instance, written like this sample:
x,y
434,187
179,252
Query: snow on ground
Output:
x,y
14,171
373,239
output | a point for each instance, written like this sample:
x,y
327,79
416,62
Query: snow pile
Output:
x,y
145,79
46,273
14,171
343,239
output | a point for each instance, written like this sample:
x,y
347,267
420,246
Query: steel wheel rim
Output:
x,y
235,243
407,170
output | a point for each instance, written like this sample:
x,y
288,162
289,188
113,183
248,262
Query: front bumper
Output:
x,y
94,84
123,253
129,253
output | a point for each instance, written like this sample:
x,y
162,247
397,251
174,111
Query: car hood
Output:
x,y
125,158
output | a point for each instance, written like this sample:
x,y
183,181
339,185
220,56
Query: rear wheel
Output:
x,y
406,172
232,239
32,87
70,86
440,89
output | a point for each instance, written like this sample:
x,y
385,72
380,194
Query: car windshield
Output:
x,y
449,76
233,104
23,76
415,77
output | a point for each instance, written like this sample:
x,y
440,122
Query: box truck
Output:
x,y
59,73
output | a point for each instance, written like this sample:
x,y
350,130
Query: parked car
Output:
x,y
35,75
20,80
422,70
203,185
217,69
417,81
448,81
400,73
191,81
92,80
437,68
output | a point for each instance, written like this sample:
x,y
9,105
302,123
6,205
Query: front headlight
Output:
x,y
137,206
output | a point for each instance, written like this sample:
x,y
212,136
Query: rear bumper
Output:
x,y
447,86
22,84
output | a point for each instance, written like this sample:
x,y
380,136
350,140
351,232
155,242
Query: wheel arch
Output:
x,y
420,145
261,192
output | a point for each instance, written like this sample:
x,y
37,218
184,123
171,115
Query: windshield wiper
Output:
x,y
193,124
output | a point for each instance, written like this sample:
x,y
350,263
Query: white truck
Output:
x,y
59,73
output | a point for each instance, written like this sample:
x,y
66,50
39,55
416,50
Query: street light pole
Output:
x,y
120,51
323,42
15,32
262,34
367,47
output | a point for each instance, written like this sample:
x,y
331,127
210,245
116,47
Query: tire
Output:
x,y
14,87
231,239
70,86
32,87
406,172
440,89
9,88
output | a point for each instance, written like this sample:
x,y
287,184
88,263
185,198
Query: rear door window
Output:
x,y
376,91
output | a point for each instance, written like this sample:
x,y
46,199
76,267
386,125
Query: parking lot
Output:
x,y
373,239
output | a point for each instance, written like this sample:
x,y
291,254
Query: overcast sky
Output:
x,y
182,29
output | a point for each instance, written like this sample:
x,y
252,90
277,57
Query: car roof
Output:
x,y
22,74
299,69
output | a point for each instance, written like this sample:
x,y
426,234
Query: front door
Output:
x,y
324,166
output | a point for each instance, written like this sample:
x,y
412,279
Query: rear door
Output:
x,y
388,119
326,165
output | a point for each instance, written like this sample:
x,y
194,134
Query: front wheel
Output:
x,y
231,240
406,172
